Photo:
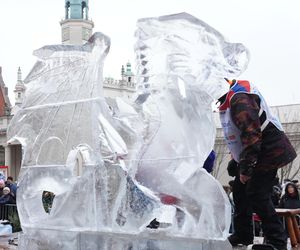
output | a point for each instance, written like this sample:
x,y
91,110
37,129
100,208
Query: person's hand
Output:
x,y
244,178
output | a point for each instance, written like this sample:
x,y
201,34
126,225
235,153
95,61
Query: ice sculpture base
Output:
x,y
40,239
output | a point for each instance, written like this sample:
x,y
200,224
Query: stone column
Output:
x,y
8,158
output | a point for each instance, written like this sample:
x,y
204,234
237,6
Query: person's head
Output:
x,y
10,180
6,190
2,183
291,190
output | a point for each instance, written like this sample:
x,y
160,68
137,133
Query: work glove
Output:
x,y
233,168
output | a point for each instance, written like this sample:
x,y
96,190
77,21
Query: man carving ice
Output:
x,y
258,147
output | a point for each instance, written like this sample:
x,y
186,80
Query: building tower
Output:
x,y
19,89
76,28
129,75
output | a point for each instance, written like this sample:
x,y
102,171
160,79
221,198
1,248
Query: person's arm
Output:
x,y
4,199
244,114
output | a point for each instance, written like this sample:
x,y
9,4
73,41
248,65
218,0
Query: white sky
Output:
x,y
270,29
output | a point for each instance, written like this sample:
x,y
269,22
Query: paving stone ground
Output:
x,y
259,240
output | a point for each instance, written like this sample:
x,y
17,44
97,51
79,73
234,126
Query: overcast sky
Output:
x,y
270,29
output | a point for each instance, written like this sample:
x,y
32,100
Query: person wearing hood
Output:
x,y
7,197
258,147
290,199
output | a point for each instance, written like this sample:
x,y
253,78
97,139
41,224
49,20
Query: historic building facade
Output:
x,y
10,155
124,87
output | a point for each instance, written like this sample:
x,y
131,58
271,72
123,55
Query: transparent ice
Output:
x,y
115,166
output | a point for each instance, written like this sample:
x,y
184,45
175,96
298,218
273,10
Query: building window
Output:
x,y
129,79
84,10
68,15
2,156
19,95
65,34
85,34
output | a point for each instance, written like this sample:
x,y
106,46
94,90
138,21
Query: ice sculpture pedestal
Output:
x,y
90,240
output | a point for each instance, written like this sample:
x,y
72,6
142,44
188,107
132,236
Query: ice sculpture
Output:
x,y
182,64
114,167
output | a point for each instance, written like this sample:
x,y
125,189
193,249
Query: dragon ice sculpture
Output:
x,y
111,167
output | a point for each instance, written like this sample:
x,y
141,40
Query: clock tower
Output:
x,y
76,28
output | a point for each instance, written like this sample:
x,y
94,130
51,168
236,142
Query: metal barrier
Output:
x,y
8,210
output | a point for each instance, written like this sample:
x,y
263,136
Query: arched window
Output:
x,y
84,12
68,14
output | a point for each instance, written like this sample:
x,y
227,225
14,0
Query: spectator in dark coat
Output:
x,y
276,196
7,197
12,186
291,197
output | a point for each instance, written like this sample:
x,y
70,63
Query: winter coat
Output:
x,y
7,199
262,148
13,188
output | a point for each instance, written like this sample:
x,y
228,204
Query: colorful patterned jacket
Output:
x,y
263,145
